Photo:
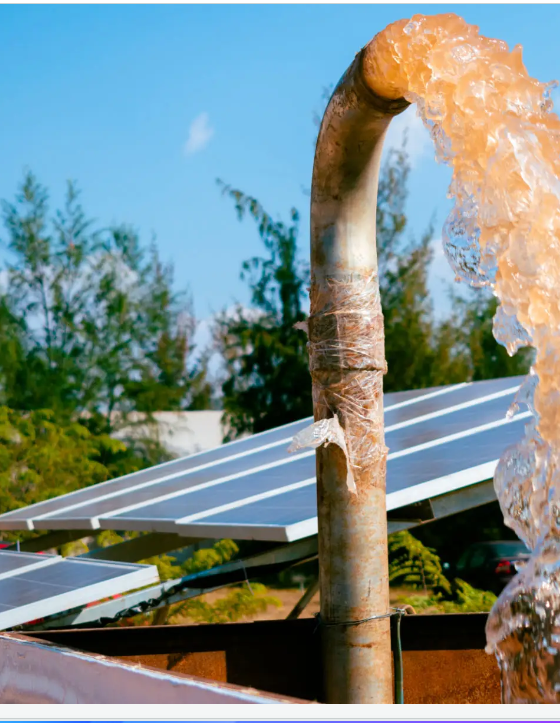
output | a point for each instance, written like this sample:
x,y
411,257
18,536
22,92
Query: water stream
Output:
x,y
494,126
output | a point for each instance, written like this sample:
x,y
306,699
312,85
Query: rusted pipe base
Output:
x,y
354,586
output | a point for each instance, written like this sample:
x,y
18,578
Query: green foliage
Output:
x,y
468,599
41,458
267,379
167,568
221,552
268,382
241,602
463,599
108,538
488,360
73,549
89,324
413,564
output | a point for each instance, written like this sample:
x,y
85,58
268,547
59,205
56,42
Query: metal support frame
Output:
x,y
110,611
173,591
50,541
141,548
460,631
261,559
305,599
352,528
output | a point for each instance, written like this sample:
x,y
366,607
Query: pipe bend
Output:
x,y
346,170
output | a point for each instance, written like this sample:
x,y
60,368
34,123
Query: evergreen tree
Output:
x,y
90,325
41,458
413,564
268,382
489,360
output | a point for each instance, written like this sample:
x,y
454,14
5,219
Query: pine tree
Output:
x,y
90,325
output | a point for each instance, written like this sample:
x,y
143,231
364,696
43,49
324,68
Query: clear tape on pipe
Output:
x,y
325,431
347,363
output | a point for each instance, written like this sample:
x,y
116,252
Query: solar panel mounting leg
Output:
x,y
305,599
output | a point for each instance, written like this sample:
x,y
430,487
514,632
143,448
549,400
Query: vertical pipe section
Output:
x,y
347,361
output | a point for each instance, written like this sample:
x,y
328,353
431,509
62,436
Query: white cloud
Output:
x,y
419,142
200,134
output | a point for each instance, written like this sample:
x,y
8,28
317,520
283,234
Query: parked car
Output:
x,y
490,565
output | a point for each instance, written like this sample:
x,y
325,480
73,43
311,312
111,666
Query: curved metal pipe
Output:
x,y
352,527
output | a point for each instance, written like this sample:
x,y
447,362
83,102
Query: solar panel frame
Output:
x,y
48,575
149,509
419,409
21,518
207,528
114,486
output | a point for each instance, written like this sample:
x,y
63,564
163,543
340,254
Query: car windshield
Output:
x,y
509,549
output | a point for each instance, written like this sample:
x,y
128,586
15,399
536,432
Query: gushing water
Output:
x,y
494,125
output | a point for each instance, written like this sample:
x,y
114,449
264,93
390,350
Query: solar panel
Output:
x,y
34,586
417,476
270,461
13,562
155,475
439,439
289,516
232,450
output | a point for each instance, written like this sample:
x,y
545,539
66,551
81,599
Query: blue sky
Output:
x,y
145,106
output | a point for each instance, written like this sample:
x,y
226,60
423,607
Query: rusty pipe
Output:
x,y
347,370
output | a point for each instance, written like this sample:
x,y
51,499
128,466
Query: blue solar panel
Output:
x,y
250,484
447,423
403,473
283,511
446,459
154,474
431,434
46,584
462,395
188,481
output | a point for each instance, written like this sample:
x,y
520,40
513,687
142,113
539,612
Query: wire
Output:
x,y
349,623
397,655
396,646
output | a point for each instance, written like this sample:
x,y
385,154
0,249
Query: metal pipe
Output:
x,y
347,370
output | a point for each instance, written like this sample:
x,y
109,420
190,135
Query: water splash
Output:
x,y
493,125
